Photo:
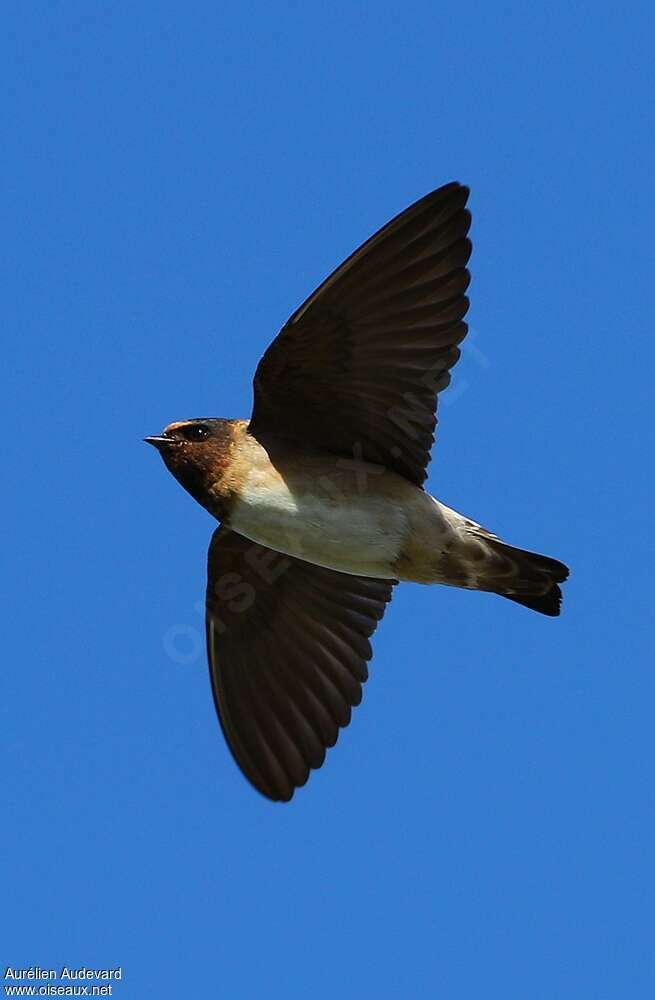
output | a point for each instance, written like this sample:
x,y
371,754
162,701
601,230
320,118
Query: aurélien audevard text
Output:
x,y
66,972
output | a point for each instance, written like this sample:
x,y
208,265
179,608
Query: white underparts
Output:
x,y
326,519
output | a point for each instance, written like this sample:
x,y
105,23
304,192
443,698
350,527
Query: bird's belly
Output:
x,y
353,534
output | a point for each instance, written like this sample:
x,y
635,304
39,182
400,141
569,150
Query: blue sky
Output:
x,y
176,181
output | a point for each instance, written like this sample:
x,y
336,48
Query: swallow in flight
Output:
x,y
320,494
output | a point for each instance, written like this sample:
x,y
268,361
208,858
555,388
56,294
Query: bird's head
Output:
x,y
197,453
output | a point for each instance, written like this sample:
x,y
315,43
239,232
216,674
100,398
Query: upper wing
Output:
x,y
288,646
356,370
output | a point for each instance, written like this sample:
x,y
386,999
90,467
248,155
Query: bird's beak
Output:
x,y
158,440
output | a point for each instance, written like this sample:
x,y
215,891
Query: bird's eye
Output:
x,y
196,432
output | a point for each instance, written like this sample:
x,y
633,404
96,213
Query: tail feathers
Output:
x,y
527,578
548,604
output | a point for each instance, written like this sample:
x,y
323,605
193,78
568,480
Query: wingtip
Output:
x,y
456,186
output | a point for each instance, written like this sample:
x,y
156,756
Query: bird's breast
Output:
x,y
347,519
